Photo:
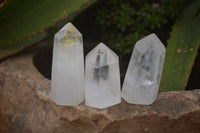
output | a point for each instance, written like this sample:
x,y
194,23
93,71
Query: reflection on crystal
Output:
x,y
143,75
68,67
102,79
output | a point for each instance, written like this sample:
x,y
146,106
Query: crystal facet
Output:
x,y
67,86
141,83
102,78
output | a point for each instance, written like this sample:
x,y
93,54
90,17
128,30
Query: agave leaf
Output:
x,y
25,22
181,51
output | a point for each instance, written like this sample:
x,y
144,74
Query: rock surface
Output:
x,y
25,106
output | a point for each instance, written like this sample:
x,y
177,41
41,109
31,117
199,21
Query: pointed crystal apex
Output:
x,y
102,78
106,53
151,39
68,28
144,72
68,36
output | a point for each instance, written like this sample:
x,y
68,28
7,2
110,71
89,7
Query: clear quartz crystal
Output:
x,y
102,78
141,83
67,85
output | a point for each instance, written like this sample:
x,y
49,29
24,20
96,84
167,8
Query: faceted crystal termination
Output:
x,y
102,78
67,86
141,83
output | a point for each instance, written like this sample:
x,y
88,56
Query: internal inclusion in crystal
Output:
x,y
145,65
101,72
69,37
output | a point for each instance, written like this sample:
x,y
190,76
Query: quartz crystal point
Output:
x,y
141,83
102,78
67,86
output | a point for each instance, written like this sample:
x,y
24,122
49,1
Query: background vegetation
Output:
x,y
123,22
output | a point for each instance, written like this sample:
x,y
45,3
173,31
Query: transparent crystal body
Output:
x,y
141,83
102,78
67,84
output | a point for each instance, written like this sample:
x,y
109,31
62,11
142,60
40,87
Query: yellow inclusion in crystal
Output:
x,y
70,37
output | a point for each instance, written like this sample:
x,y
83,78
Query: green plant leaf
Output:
x,y
197,12
25,22
181,51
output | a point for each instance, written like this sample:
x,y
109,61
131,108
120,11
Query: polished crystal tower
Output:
x,y
102,78
141,83
67,85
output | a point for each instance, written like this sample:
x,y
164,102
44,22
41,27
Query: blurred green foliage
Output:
x,y
123,22
197,12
